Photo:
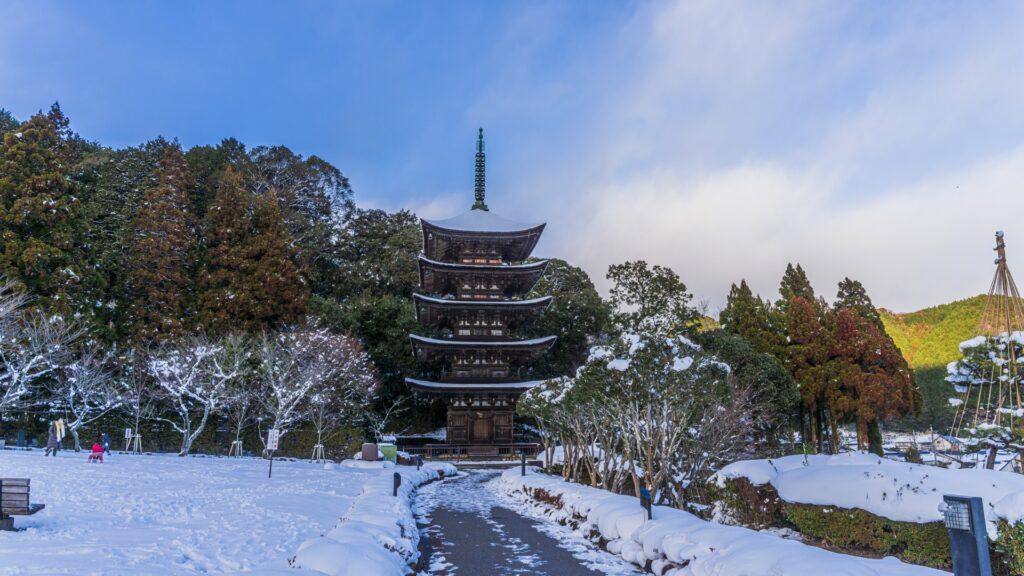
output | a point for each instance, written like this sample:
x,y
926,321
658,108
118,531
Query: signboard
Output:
x,y
272,437
127,433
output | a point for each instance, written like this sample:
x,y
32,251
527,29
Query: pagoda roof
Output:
x,y
539,265
471,304
462,388
499,344
482,222
479,230
440,277
442,311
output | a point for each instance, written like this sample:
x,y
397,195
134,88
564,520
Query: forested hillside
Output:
x,y
929,340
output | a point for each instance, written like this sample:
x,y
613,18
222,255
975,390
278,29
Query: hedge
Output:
x,y
855,531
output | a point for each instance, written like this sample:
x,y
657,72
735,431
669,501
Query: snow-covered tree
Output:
x,y
654,411
32,346
86,391
297,365
240,407
193,376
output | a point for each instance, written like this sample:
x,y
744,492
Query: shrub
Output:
x,y
1010,547
853,529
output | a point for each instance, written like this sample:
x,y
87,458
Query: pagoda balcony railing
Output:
x,y
507,452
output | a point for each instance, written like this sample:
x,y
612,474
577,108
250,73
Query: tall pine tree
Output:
x,y
162,254
227,290
39,211
754,320
282,288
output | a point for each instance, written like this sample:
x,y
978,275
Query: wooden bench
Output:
x,y
14,501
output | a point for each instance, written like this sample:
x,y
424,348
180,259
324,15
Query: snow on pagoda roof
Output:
x,y
481,221
510,267
484,344
469,386
498,303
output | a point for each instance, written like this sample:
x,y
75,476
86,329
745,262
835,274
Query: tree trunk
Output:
x,y
74,436
875,437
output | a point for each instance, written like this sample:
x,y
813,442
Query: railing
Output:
x,y
472,451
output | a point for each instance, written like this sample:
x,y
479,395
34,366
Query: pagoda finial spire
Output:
x,y
480,179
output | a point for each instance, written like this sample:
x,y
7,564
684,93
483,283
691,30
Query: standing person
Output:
x,y
51,439
106,443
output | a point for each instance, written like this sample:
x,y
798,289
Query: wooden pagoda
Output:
x,y
473,279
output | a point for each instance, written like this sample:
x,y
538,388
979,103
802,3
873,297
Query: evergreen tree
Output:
x,y
650,299
227,290
795,284
39,212
162,254
577,315
754,320
279,278
377,253
7,122
207,164
852,295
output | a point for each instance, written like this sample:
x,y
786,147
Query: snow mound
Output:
x,y
895,490
378,534
679,544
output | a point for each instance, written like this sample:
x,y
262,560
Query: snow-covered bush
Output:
x,y
86,391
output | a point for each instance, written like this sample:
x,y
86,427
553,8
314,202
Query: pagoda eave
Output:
x,y
472,388
440,312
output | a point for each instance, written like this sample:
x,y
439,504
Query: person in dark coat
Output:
x,y
51,440
106,443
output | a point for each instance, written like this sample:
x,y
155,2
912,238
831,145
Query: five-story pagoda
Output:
x,y
473,276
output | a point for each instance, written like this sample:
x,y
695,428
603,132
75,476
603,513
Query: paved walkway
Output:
x,y
469,530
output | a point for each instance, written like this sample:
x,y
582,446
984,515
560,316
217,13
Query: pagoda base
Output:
x,y
479,424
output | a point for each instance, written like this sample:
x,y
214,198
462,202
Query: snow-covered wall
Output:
x,y
677,543
895,490
378,534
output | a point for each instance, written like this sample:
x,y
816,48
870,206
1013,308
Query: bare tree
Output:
x,y
86,390
339,399
240,409
193,378
296,364
32,346
140,398
379,420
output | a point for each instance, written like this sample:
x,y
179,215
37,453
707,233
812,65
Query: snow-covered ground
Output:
x,y
680,544
161,514
895,490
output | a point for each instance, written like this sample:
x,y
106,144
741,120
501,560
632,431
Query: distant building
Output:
x,y
948,444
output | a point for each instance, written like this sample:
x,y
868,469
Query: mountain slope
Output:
x,y
931,337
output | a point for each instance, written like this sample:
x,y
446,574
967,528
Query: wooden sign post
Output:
x,y
273,435
127,439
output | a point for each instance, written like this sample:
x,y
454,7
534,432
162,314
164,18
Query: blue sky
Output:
x,y
881,141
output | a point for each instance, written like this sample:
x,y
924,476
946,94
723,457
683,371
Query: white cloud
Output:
x,y
731,138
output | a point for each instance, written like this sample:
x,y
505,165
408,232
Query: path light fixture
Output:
x,y
964,517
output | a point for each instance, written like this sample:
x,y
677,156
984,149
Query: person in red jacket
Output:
x,y
97,453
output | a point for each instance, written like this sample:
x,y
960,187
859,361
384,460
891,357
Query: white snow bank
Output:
x,y
896,490
378,534
684,545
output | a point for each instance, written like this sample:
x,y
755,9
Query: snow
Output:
x,y
484,344
681,544
463,385
896,490
162,514
539,265
481,221
484,303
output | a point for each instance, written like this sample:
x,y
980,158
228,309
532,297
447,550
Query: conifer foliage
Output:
x,y
848,369
38,209
163,251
